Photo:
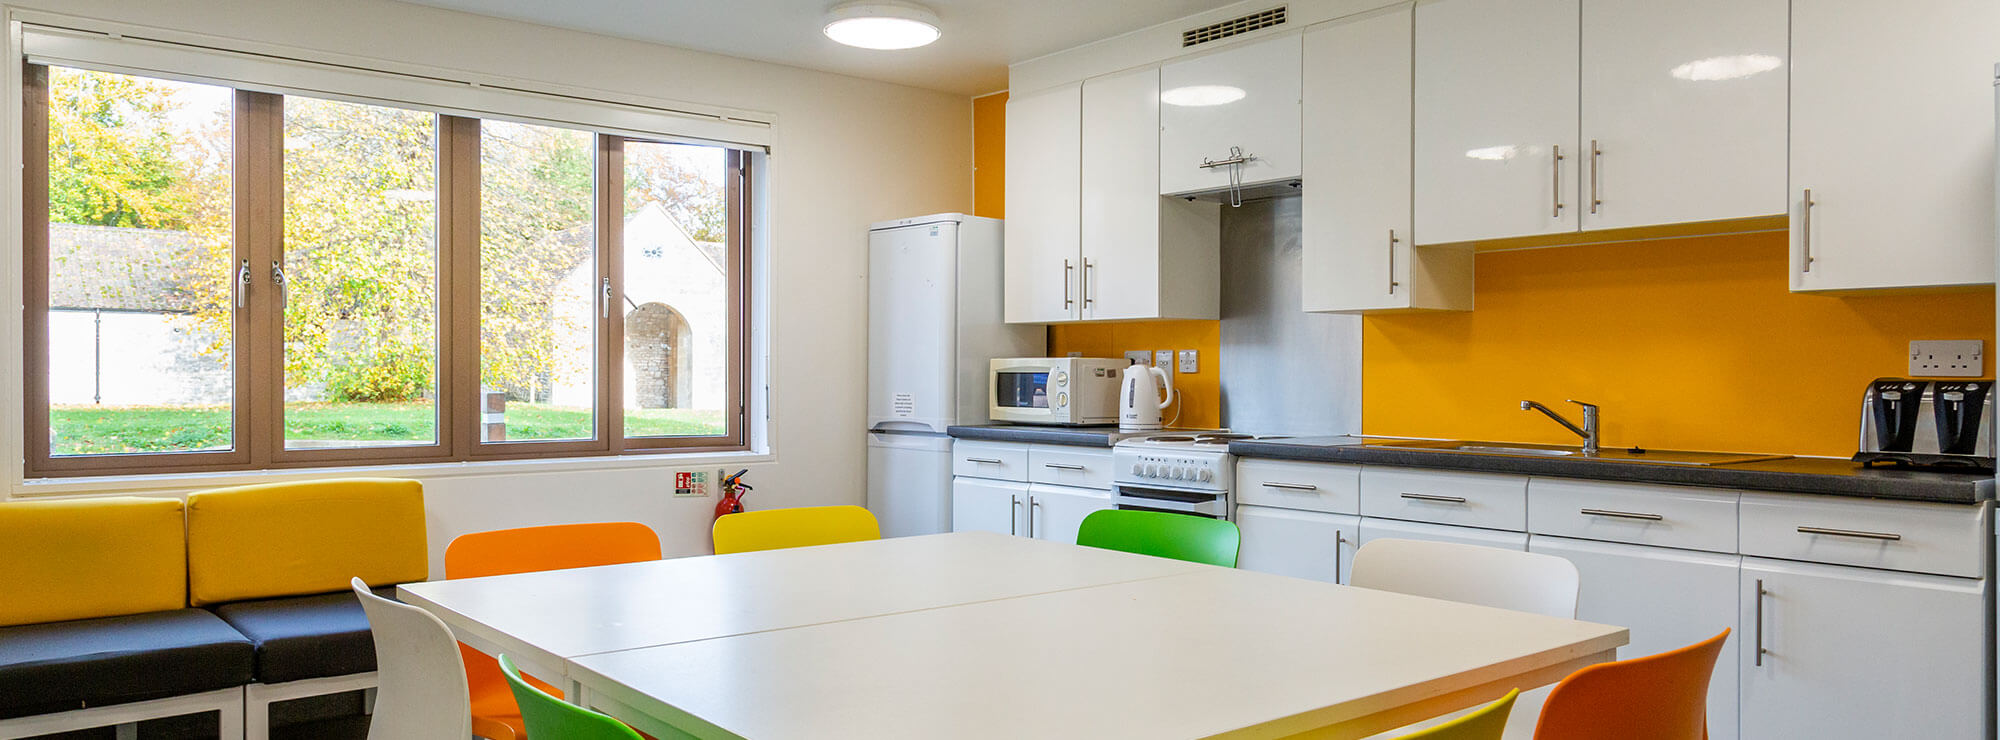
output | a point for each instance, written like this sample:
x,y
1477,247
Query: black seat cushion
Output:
x,y
299,637
59,666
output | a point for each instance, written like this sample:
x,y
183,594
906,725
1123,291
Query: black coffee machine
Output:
x,y
1928,423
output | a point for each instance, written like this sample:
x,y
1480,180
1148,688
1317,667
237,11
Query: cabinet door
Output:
x,y
1857,653
1246,97
1121,196
1686,103
1496,117
1302,544
1892,131
1668,598
1044,142
1375,529
1057,511
1354,219
981,505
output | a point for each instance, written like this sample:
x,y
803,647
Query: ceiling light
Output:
x,y
1197,96
1732,67
881,25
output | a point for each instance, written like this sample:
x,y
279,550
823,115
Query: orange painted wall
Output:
x,y
1201,393
1688,344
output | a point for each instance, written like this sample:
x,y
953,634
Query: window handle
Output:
x,y
278,278
604,299
243,284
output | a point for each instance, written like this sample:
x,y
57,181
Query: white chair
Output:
x,y
420,692
1487,576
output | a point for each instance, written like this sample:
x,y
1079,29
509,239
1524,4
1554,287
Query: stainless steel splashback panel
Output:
x,y
1284,371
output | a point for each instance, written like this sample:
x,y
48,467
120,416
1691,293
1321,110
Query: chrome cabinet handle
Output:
x,y
1760,621
1083,286
1392,262
243,284
1014,520
1621,514
1062,466
1595,153
1885,536
1805,231
1034,505
1068,269
1434,498
1556,178
984,460
1338,539
1292,486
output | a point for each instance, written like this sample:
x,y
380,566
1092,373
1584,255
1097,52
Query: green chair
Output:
x,y
1195,539
1484,723
549,718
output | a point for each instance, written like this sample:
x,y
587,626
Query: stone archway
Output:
x,y
659,348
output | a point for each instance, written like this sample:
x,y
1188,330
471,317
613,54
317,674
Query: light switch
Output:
x,y
1164,359
1188,361
1139,356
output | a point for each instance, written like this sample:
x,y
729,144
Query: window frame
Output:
x,y
257,130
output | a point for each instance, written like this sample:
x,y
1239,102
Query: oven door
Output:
x,y
1211,504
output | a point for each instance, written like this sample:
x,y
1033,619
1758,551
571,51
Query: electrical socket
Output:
x,y
1942,358
1188,361
1164,359
1139,356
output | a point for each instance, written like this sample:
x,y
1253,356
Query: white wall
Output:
x,y
847,152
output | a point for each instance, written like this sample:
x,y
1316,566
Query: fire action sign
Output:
x,y
692,483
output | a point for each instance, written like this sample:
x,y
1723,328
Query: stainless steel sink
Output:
x,y
1623,455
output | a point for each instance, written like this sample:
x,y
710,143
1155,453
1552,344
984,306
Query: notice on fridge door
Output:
x,y
904,404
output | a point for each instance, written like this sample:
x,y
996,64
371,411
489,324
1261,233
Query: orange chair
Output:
x,y
1657,697
525,550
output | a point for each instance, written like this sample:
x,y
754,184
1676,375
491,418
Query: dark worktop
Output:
x,y
1090,436
1817,475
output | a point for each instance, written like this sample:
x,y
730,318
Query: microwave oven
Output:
x,y
1070,391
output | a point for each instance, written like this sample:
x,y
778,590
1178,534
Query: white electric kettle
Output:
x,y
1140,399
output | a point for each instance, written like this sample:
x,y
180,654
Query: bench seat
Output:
x,y
85,663
301,637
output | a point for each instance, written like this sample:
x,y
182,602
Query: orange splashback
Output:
x,y
989,156
1686,343
1201,392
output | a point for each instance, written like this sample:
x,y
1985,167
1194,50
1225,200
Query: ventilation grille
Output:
x,y
1232,27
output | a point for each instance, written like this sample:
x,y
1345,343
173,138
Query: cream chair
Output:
x,y
420,692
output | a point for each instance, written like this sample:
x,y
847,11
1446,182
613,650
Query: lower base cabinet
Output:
x,y
1373,528
1668,598
1301,544
1026,509
1858,653
1055,512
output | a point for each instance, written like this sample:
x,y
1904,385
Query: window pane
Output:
x,y
141,343
538,279
676,282
360,323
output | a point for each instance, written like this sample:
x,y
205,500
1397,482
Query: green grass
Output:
x,y
97,430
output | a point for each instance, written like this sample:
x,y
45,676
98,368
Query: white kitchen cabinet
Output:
x,y
1668,598
1141,256
1301,544
1859,653
1044,142
985,505
1055,512
1683,111
1496,119
1244,99
1374,529
1356,251
1892,136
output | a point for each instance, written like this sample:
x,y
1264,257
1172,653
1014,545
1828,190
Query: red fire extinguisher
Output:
x,y
733,489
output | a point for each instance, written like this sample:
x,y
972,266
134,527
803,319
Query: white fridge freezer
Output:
x,y
934,322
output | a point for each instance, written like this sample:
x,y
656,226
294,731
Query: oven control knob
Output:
x,y
1177,473
1138,469
1207,476
1152,472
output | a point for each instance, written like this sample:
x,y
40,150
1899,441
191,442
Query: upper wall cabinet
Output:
x,y
1043,226
1683,116
1242,102
1892,143
1496,118
1356,253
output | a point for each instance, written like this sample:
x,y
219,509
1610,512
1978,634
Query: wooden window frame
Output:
x,y
257,403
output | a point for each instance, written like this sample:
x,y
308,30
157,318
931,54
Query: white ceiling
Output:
x,y
981,37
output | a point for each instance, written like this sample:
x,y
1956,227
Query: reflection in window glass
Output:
x,y
676,283
140,249
538,297
360,264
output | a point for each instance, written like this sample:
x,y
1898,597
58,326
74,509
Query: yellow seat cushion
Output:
x,y
309,537
87,558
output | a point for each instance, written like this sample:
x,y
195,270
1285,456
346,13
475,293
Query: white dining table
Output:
x,y
979,635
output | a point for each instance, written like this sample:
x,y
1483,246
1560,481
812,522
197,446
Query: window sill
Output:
x,y
174,482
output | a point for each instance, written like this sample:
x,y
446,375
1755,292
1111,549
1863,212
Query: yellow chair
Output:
x,y
1484,723
775,529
